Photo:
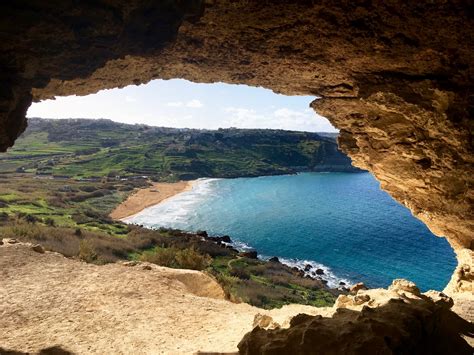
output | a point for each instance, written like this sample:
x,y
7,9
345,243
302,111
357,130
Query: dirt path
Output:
x,y
150,196
48,300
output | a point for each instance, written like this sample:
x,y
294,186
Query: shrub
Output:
x,y
87,251
188,258
3,217
88,188
31,219
191,259
161,256
50,222
240,273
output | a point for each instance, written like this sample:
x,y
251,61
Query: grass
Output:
x,y
81,204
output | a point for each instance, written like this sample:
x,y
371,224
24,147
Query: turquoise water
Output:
x,y
340,222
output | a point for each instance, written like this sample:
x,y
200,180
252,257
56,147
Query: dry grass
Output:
x,y
188,258
185,250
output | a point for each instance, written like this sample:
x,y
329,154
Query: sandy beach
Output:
x,y
150,196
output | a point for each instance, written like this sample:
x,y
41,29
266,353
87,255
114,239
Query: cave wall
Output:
x,y
395,77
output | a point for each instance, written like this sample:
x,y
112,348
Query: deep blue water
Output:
x,y
341,222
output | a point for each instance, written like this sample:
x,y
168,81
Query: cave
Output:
x,y
394,77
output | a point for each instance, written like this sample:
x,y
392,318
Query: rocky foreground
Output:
x,y
49,301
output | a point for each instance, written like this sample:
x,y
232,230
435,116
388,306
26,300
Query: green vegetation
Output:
x,y
188,258
62,179
262,284
96,148
67,203
269,284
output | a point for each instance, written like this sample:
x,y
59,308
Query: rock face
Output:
x,y
395,77
372,322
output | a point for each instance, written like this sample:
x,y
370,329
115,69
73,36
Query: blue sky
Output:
x,y
180,103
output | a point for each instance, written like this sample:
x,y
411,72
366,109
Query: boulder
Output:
x,y
440,299
401,285
202,234
226,239
358,286
308,267
319,271
38,248
130,263
360,299
274,260
251,254
265,321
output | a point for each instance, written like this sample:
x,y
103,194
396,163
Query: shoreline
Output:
x,y
150,196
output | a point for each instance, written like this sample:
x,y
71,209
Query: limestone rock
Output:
x,y
395,77
38,248
130,263
358,286
265,321
399,326
440,299
401,285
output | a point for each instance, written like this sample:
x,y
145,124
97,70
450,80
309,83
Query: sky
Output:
x,y
183,104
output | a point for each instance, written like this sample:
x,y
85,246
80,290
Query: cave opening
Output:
x,y
393,78
354,233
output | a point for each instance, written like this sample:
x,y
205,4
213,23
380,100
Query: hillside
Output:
x,y
95,148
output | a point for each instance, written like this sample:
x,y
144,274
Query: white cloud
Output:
x,y
190,104
194,104
130,99
174,104
287,113
281,118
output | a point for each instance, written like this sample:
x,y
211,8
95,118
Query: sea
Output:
x,y
342,223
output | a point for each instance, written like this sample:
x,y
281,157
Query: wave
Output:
x,y
328,275
174,211
332,279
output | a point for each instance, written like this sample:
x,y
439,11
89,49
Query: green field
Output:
x,y
96,148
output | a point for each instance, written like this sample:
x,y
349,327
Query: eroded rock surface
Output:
x,y
399,320
396,77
